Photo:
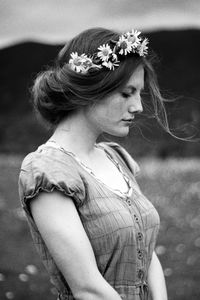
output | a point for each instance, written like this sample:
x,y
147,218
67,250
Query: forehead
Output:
x,y
137,78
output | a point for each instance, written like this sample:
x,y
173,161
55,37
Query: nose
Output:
x,y
135,105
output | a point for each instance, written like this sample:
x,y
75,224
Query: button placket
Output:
x,y
140,274
136,218
140,251
139,236
139,254
128,201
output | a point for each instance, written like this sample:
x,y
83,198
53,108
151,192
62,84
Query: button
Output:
x,y
139,236
140,255
129,202
140,274
136,218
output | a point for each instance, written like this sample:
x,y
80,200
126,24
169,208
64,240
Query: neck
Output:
x,y
76,134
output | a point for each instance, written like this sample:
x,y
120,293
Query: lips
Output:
x,y
128,120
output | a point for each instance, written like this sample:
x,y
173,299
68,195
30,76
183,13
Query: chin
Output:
x,y
122,132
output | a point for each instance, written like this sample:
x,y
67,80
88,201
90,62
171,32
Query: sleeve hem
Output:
x,y
72,195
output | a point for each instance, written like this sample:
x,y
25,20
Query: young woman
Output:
x,y
93,227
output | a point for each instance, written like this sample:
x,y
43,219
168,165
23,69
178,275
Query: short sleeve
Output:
x,y
125,156
47,170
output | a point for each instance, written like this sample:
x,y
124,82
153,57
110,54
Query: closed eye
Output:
x,y
125,95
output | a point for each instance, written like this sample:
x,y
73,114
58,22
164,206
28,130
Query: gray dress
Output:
x,y
122,228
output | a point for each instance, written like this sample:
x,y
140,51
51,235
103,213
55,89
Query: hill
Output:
x,y
178,74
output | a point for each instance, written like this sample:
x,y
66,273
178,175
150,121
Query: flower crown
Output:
x,y
129,42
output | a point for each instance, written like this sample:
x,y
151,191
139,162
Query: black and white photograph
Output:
x,y
100,150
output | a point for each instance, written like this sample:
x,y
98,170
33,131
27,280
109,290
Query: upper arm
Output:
x,y
60,226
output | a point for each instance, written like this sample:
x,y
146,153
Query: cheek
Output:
x,y
115,109
106,112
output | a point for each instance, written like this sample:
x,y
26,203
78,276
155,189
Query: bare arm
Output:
x,y
61,228
156,279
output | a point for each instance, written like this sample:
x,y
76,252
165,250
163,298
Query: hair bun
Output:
x,y
42,92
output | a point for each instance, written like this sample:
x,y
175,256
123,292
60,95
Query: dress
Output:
x,y
122,229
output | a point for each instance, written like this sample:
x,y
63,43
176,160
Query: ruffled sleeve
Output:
x,y
49,170
125,157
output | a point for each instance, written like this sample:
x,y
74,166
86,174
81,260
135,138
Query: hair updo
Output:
x,y
59,91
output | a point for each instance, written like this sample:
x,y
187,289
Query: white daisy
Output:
x,y
96,66
87,62
76,62
114,57
124,45
110,65
104,52
142,48
133,37
84,56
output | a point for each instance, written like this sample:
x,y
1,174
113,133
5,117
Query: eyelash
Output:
x,y
125,95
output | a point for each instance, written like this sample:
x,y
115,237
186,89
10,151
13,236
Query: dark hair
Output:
x,y
59,91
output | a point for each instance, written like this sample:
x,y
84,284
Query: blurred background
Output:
x,y
31,34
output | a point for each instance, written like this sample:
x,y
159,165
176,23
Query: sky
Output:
x,y
56,21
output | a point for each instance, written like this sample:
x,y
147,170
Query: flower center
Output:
x,y
77,62
105,52
132,39
123,45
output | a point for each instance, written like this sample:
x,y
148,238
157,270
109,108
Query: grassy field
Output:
x,y
174,188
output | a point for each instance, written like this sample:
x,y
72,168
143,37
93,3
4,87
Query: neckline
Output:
x,y
121,194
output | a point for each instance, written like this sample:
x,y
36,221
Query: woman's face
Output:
x,y
115,113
